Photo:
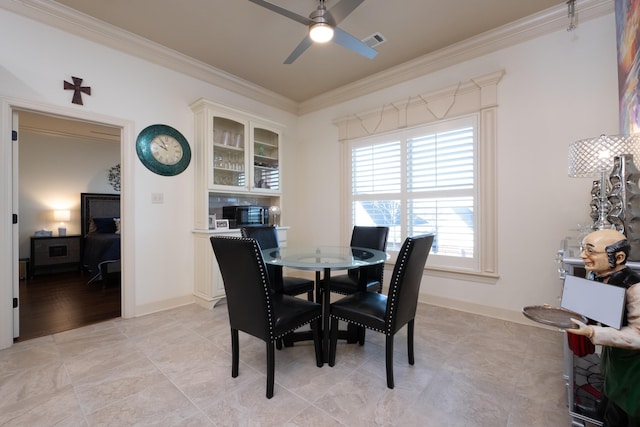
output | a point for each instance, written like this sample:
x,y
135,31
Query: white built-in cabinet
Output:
x,y
234,154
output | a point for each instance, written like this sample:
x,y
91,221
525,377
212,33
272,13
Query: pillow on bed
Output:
x,y
106,225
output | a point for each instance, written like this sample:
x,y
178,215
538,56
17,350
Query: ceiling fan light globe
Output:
x,y
321,32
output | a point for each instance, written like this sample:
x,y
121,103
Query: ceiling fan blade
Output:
x,y
345,39
284,12
304,45
343,9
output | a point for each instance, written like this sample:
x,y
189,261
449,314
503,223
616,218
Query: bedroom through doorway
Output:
x,y
59,159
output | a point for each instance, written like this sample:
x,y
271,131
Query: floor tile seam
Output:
x,y
330,415
151,362
83,410
81,384
95,345
186,396
309,404
130,396
123,328
26,371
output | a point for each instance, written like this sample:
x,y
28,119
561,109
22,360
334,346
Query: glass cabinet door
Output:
x,y
266,160
229,159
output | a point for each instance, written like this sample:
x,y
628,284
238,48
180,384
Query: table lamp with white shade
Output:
x,y
62,215
275,211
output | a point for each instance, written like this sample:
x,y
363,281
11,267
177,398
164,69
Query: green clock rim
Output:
x,y
143,149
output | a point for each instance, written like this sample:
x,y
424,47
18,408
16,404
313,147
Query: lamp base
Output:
x,y
62,231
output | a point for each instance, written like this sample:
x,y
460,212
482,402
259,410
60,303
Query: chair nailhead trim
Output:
x,y
359,324
267,290
393,291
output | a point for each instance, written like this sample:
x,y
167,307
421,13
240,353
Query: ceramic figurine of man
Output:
x,y
604,253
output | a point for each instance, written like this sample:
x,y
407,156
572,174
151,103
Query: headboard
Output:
x,y
96,205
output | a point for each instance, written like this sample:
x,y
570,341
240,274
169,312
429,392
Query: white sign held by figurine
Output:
x,y
597,301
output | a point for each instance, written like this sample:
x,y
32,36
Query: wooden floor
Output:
x,y
52,303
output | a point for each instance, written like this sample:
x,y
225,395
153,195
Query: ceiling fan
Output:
x,y
325,22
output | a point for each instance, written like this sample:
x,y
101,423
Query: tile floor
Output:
x,y
174,369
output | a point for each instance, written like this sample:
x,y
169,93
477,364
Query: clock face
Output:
x,y
166,149
163,150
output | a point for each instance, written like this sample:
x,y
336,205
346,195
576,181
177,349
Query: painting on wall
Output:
x,y
627,34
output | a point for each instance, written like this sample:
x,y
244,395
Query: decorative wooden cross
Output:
x,y
78,90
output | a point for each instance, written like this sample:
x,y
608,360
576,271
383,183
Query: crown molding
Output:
x,y
71,21
87,27
547,21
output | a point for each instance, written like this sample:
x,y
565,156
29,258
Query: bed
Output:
x,y
100,227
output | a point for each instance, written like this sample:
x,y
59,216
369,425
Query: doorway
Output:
x,y
59,158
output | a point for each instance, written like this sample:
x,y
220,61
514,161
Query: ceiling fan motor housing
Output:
x,y
322,16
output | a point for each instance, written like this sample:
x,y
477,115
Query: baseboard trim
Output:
x,y
482,310
155,307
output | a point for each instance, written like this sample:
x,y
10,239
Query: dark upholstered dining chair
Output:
x,y
267,237
254,308
387,313
357,279
369,278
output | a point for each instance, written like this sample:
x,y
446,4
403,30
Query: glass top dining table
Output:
x,y
323,259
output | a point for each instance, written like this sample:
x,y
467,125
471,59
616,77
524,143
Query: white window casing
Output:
x,y
428,140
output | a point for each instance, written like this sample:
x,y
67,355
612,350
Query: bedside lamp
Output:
x,y
62,215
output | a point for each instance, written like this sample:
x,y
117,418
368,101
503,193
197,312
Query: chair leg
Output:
x,y
235,353
317,342
361,335
333,341
389,361
410,326
270,369
310,296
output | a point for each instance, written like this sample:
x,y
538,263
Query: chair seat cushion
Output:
x,y
346,285
291,313
363,308
296,285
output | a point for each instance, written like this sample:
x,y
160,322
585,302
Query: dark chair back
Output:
x,y
372,238
253,308
267,237
246,285
405,281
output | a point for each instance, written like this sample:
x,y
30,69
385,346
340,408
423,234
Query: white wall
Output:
x,y
36,59
557,89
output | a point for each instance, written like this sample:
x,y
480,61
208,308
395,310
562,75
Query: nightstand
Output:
x,y
54,253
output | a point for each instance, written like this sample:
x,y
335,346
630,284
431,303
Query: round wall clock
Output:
x,y
163,150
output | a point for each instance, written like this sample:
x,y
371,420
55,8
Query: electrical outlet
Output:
x,y
157,198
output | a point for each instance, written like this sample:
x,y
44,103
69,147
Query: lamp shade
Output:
x,y
275,210
62,215
594,156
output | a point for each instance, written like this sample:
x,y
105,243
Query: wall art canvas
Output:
x,y
627,33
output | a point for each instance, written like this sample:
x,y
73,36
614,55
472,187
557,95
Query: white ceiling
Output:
x,y
251,42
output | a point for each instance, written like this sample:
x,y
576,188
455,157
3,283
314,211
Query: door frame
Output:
x,y
9,255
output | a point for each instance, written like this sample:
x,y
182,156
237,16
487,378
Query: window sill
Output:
x,y
472,276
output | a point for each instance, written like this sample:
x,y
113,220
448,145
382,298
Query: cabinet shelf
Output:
x,y
266,144
229,147
218,168
266,167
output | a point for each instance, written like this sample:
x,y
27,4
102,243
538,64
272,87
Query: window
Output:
x,y
421,180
